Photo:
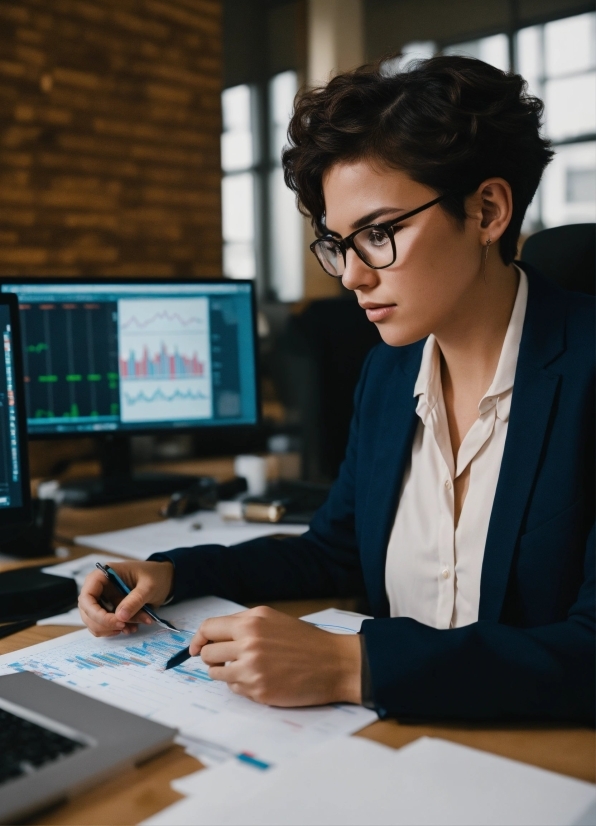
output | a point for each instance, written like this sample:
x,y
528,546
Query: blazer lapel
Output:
x,y
397,425
534,392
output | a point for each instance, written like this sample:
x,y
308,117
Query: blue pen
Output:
x,y
113,577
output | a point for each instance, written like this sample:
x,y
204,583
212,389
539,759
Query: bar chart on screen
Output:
x,y
164,359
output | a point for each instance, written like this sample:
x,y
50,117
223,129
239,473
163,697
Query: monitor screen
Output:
x,y
15,495
10,465
132,356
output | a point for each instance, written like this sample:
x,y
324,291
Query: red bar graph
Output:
x,y
161,365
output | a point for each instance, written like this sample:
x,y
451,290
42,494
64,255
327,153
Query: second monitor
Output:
x,y
115,358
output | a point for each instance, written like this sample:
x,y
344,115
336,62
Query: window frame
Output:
x,y
511,32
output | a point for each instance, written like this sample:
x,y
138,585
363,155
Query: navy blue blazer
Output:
x,y
531,655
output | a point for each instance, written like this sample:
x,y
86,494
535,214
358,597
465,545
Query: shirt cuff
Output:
x,y
365,676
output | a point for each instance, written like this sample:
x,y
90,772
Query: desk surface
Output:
x,y
141,791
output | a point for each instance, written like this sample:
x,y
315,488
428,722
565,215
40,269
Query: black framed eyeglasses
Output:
x,y
374,244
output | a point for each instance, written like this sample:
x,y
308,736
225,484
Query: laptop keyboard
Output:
x,y
25,746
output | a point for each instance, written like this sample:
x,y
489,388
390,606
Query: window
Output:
x,y
258,210
286,244
493,50
238,183
558,59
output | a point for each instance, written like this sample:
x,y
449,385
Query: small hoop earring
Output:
x,y
487,245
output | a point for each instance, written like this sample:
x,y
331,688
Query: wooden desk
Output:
x,y
142,791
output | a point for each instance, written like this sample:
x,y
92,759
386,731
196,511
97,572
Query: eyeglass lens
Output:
x,y
331,257
373,244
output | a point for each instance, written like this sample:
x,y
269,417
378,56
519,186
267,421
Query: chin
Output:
x,y
400,335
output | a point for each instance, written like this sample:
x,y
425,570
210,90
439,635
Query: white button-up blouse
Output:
x,y
432,571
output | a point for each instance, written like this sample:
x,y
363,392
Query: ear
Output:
x,y
494,207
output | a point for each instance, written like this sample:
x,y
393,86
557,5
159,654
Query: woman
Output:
x,y
464,508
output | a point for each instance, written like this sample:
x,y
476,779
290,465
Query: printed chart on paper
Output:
x,y
128,672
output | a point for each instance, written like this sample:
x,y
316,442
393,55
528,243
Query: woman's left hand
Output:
x,y
278,660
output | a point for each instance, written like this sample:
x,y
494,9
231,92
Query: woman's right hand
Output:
x,y
150,583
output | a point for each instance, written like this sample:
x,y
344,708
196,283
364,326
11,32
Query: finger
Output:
x,y
226,673
99,629
130,629
220,629
92,612
141,616
93,584
133,603
217,653
197,643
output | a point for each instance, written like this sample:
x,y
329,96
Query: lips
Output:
x,y
377,312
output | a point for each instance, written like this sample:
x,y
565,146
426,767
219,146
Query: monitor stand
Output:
x,y
118,482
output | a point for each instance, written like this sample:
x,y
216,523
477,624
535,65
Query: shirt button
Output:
x,y
445,573
448,484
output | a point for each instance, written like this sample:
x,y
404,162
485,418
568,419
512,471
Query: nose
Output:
x,y
356,274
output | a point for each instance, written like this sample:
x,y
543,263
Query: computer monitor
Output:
x,y
15,499
115,358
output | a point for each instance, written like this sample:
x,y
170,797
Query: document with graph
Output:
x,y
128,671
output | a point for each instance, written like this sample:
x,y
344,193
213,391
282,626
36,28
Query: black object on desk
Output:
x,y
36,538
204,494
27,594
299,500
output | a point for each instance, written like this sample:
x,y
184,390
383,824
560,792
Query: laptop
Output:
x,y
55,742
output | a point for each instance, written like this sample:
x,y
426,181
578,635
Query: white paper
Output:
x,y
78,569
351,781
201,528
128,671
337,621
209,787
72,617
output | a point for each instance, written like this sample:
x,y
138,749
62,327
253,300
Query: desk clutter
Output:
x,y
201,528
351,781
289,766
213,724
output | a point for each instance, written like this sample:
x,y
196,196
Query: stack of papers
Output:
x,y
201,528
351,781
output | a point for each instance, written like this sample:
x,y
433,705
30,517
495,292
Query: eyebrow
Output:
x,y
367,219
372,216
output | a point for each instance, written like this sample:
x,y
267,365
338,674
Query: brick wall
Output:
x,y
109,137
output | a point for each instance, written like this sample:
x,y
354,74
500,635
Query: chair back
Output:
x,y
565,255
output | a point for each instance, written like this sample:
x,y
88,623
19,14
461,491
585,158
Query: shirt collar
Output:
x,y
428,383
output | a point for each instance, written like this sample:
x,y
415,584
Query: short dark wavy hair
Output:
x,y
449,122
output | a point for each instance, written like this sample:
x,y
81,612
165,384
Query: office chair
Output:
x,y
566,255
318,359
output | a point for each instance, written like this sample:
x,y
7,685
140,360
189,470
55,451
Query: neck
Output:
x,y
472,340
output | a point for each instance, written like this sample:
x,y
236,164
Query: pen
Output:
x,y
179,658
113,577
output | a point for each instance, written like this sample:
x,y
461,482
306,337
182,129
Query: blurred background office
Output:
x,y
143,138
